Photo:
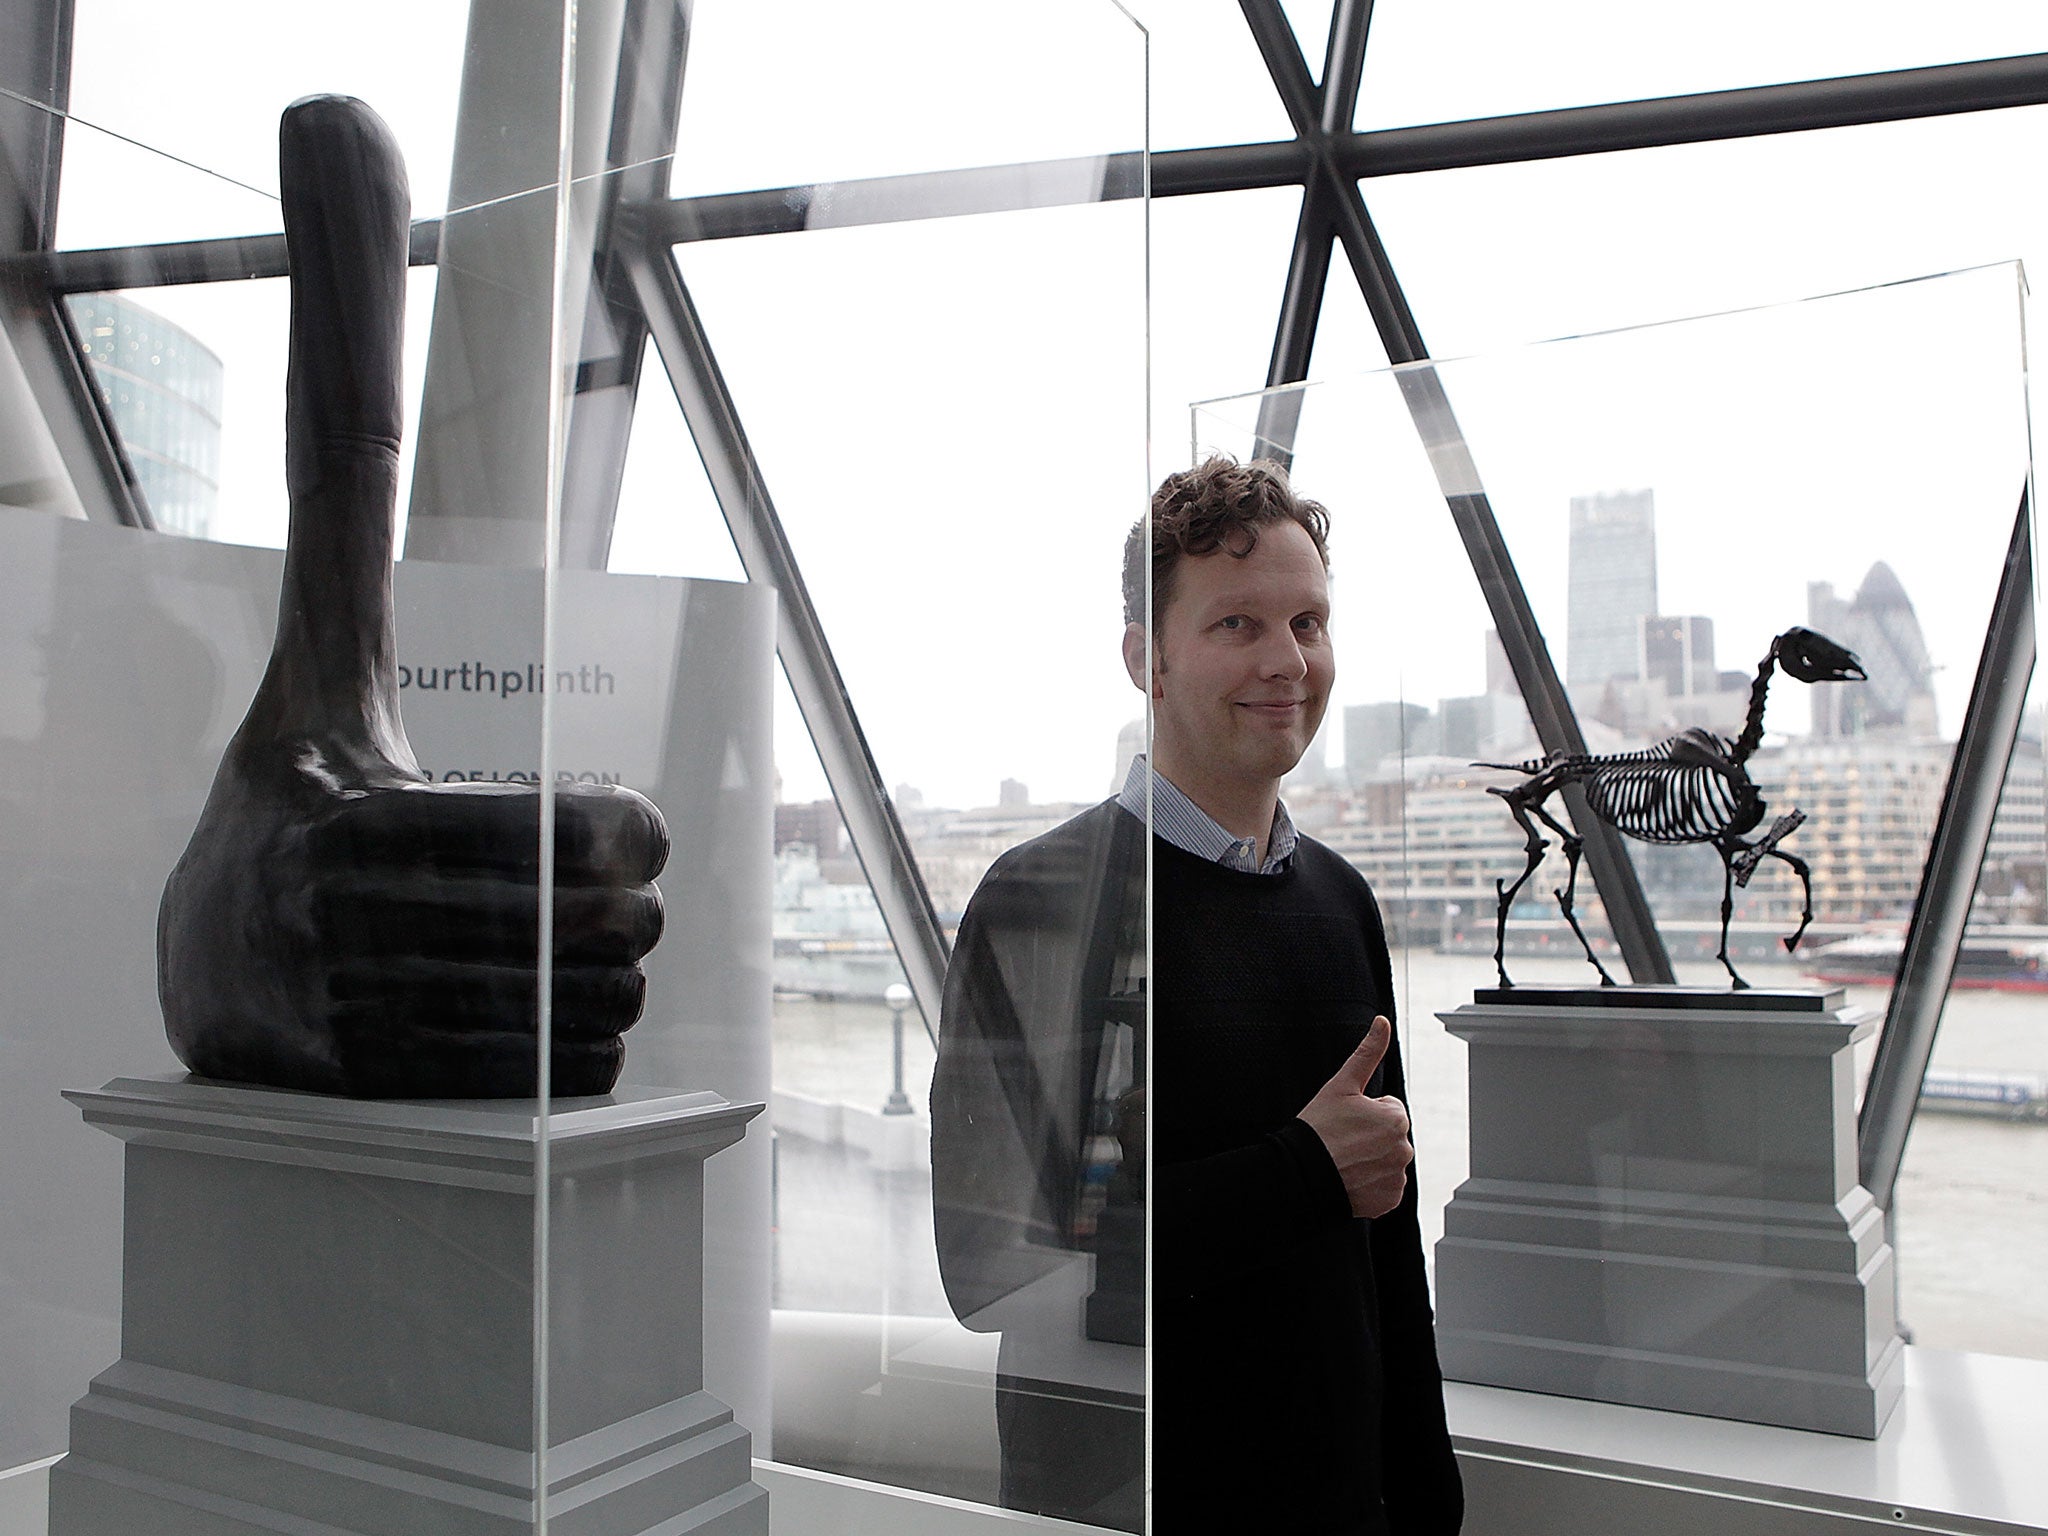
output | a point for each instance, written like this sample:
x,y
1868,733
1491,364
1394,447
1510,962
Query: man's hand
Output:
x,y
1367,1137
339,923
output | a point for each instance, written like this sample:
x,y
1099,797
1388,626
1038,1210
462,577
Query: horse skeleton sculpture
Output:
x,y
1691,788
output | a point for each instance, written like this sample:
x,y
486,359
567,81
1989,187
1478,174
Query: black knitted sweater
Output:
x,y
1295,1381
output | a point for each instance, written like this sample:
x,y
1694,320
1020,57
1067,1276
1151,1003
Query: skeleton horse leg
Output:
x,y
1574,845
1730,850
1505,894
1767,847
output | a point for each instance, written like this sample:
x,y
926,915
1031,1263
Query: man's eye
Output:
x,y
1309,623
1235,621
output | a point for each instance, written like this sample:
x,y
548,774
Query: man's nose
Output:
x,y
1282,657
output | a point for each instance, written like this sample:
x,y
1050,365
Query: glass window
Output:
x,y
149,86
1214,86
1435,64
660,684
791,94
817,333
234,447
1310,20
1628,239
238,433
1204,345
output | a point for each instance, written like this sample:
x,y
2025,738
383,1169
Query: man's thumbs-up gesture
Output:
x,y
1367,1137
338,923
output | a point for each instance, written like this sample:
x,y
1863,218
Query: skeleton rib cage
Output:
x,y
1679,791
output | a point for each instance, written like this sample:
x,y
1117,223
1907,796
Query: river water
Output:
x,y
1972,1205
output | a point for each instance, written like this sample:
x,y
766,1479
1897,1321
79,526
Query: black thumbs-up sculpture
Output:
x,y
338,922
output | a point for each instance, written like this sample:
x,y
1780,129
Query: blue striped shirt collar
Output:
x,y
1193,830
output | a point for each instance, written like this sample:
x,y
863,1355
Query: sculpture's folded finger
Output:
x,y
588,1001
604,835
365,914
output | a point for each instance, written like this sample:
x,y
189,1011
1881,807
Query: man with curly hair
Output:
x,y
1294,1382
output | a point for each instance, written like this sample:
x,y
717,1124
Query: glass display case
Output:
x,y
631,474
1633,519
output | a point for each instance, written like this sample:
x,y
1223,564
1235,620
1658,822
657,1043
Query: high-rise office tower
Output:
x,y
1880,626
162,389
1611,579
1678,651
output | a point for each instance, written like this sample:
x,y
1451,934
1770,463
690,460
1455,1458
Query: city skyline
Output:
x,y
1406,806
1657,674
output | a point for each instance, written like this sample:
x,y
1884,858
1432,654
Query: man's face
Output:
x,y
1241,666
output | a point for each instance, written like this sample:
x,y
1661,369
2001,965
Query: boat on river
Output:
x,y
1999,1095
1985,963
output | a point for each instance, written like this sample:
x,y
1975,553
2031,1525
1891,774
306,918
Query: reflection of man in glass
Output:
x,y
1294,1376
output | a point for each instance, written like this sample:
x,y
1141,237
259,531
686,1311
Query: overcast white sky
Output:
x,y
951,416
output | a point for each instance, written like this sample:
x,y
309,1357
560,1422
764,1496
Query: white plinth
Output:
x,y
1663,1207
328,1320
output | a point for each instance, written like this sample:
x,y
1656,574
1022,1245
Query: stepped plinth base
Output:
x,y
1663,1207
328,1320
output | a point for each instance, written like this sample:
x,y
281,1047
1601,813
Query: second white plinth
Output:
x,y
1663,1207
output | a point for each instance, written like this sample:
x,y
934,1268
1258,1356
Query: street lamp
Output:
x,y
898,998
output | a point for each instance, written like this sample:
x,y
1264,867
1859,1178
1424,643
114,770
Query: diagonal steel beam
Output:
x,y
1331,205
1344,65
35,73
878,837
1373,270
66,446
1308,268
1955,859
1301,307
1274,35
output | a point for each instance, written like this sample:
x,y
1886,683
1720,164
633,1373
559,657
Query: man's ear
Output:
x,y
1137,657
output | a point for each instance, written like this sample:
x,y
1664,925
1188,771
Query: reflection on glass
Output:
x,y
1038,1182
